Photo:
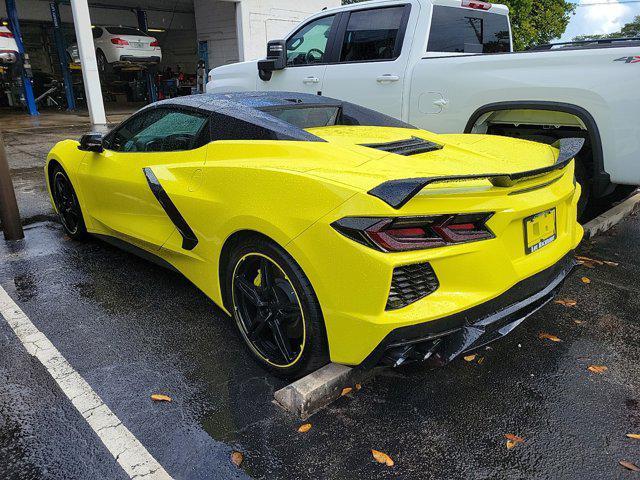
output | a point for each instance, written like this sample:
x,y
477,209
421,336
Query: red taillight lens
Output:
x,y
6,34
415,233
155,43
476,4
119,41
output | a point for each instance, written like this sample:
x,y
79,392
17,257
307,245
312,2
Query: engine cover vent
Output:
x,y
410,146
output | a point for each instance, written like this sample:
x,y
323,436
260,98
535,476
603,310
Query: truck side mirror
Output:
x,y
91,142
276,59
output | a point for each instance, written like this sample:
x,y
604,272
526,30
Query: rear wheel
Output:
x,y
275,309
67,204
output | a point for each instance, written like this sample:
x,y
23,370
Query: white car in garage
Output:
x,y
116,45
8,47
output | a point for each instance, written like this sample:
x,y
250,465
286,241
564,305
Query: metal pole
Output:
x,y
86,49
9,213
61,46
12,13
143,25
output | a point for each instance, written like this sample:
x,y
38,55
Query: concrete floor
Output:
x,y
132,329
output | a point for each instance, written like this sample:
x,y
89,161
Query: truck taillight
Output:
x,y
119,41
476,4
402,234
6,35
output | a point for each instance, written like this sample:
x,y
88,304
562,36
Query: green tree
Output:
x,y
533,21
631,29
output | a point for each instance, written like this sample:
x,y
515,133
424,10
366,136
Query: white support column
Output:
x,y
86,49
240,31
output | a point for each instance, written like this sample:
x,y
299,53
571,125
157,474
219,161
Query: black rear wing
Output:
x,y
397,193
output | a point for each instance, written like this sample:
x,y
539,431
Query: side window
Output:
x,y
97,32
373,35
309,44
461,30
160,130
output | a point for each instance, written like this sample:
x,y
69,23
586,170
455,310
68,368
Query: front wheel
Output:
x,y
275,309
67,204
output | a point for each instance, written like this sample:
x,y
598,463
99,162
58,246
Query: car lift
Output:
x,y
143,25
12,13
61,47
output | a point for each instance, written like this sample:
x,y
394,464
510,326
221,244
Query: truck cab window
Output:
x,y
309,44
467,31
373,35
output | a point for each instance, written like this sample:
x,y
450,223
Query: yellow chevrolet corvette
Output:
x,y
330,232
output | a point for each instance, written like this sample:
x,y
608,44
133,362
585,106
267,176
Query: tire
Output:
x,y
104,69
585,183
292,311
67,204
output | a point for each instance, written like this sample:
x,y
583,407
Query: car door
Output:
x,y
116,191
309,49
372,57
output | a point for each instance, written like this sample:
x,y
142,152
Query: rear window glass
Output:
x,y
468,31
372,35
307,116
125,31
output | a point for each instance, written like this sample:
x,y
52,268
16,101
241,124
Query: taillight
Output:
x,y
476,4
119,41
401,234
6,35
155,43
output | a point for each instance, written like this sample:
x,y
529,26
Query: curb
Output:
x,y
611,217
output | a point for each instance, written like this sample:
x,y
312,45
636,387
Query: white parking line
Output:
x,y
125,448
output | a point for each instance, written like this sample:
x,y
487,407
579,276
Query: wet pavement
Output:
x,y
131,329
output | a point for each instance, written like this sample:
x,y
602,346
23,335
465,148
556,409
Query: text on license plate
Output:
x,y
539,230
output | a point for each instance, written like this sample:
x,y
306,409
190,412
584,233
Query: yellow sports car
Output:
x,y
330,232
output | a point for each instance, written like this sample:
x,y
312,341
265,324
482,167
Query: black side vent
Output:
x,y
410,283
410,146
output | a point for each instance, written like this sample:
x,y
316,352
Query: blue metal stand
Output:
x,y
61,46
143,24
12,13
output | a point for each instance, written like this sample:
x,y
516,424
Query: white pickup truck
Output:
x,y
447,66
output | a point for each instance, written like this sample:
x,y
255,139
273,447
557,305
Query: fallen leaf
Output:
x,y
159,397
480,360
586,280
635,436
548,336
513,438
611,264
597,368
358,386
629,466
510,444
470,358
237,458
566,302
589,262
381,457
578,322
305,427
346,390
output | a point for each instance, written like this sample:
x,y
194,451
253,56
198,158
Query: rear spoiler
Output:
x,y
397,193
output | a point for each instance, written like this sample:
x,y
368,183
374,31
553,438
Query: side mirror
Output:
x,y
91,142
276,59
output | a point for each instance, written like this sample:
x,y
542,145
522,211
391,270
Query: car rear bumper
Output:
x,y
8,57
439,342
141,59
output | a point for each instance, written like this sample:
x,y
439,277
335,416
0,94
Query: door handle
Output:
x,y
441,102
311,80
387,77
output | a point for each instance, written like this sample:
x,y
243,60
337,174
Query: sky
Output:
x,y
606,17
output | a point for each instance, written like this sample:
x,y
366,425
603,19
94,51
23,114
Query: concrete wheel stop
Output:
x,y
306,396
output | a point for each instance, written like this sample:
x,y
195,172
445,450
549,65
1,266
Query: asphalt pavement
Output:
x,y
131,329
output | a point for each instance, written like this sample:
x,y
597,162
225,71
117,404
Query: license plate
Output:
x,y
136,45
539,230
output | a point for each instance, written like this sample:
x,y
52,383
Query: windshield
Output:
x,y
125,31
307,116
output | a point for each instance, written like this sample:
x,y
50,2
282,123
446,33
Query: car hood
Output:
x,y
460,155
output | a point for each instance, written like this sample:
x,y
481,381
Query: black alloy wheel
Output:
x,y
276,310
67,205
